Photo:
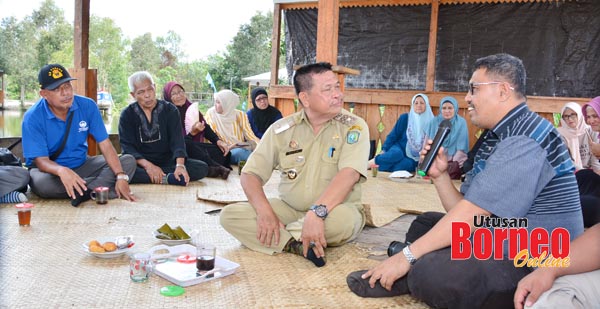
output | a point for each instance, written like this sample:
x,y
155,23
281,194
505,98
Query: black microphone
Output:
x,y
441,134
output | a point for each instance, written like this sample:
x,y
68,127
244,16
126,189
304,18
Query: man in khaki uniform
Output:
x,y
321,153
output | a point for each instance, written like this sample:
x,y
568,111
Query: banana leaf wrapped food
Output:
x,y
168,233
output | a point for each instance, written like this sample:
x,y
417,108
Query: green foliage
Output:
x,y
556,117
46,37
169,49
191,76
164,76
107,52
52,31
145,55
250,51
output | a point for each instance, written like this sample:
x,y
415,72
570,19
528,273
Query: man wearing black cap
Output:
x,y
55,132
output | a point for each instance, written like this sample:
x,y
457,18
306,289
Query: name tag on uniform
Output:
x,y
293,152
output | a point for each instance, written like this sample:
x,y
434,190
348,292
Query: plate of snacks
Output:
x,y
109,247
171,236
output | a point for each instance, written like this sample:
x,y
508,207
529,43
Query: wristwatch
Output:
x,y
408,255
319,210
123,176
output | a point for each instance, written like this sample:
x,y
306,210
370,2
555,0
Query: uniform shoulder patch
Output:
x,y
283,125
345,119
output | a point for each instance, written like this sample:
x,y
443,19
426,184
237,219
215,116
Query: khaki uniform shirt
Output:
x,y
307,162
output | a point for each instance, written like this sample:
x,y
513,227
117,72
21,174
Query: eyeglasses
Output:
x,y
177,93
261,99
571,116
473,85
150,137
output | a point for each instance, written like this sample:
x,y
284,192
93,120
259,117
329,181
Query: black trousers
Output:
x,y
196,170
209,153
589,191
444,283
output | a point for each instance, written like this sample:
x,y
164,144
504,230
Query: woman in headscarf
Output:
x,y
197,134
577,135
403,144
263,114
456,143
232,125
588,179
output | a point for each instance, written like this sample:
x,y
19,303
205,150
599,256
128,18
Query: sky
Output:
x,y
205,26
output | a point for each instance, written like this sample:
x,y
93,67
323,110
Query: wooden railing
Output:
x,y
381,108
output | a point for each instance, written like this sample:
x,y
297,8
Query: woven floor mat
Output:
x,y
414,196
230,191
384,200
45,265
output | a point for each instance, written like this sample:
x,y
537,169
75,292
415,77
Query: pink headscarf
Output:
x,y
595,104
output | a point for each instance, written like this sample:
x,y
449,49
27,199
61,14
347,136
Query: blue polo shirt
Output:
x,y
523,169
43,132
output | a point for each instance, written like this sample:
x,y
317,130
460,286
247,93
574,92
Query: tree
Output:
x,y
220,70
108,54
145,54
250,51
191,76
18,42
170,52
30,44
52,31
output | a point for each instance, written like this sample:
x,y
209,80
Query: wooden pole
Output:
x,y
275,39
81,37
87,82
429,86
327,30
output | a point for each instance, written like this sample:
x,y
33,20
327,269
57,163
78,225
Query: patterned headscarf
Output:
x,y
417,124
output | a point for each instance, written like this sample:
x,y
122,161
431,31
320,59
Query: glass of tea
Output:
x,y
24,212
205,257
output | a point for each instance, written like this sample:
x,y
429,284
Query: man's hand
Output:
x,y
123,190
71,181
155,173
268,226
439,164
388,271
181,171
532,286
313,234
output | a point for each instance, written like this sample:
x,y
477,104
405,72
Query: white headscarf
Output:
x,y
571,135
225,122
417,124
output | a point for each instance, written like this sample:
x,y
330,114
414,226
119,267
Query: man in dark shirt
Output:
x,y
150,131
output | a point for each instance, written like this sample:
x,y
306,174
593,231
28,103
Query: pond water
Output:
x,y
10,122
